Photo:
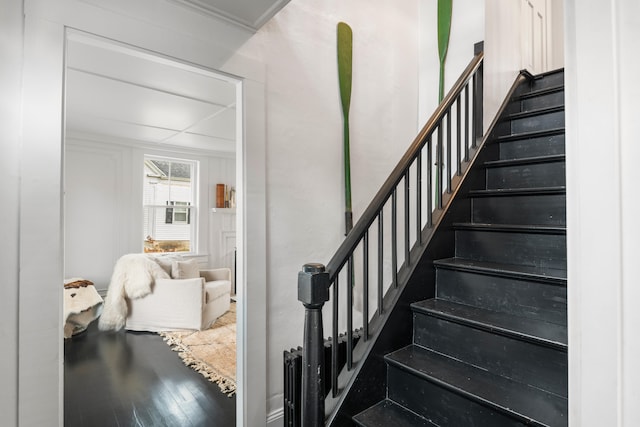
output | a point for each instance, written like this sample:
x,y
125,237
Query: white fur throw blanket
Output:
x,y
133,276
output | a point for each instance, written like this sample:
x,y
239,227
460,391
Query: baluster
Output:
x,y
365,284
419,198
380,260
394,239
429,184
439,167
349,336
458,137
334,339
407,218
473,116
313,292
477,106
448,150
466,122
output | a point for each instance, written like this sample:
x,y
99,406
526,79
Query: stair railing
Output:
x,y
435,145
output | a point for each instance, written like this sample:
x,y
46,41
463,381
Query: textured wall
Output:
x,y
305,202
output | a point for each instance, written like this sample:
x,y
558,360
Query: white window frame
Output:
x,y
191,209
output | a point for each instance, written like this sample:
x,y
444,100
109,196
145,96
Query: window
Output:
x,y
177,215
170,207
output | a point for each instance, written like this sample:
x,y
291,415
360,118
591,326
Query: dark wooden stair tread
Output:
x,y
389,414
554,158
530,191
513,228
522,402
522,328
540,92
517,271
533,113
529,135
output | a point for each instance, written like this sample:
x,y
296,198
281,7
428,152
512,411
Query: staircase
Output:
x,y
490,349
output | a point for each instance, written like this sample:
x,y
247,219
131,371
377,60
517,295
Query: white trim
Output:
x,y
251,274
276,418
40,373
602,130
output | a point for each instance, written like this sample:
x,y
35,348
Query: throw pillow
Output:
x,y
166,261
185,269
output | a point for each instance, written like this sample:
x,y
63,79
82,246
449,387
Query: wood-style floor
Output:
x,y
134,379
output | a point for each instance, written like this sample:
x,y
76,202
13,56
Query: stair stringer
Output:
x,y
366,384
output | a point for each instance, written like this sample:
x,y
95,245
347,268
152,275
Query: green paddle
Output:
x,y
345,49
445,8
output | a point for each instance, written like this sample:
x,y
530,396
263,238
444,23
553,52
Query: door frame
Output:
x,y
40,347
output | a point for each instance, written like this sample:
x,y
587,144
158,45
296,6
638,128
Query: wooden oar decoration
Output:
x,y
345,50
445,9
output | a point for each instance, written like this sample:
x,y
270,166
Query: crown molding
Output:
x,y
248,25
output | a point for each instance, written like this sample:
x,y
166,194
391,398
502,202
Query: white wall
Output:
x,y
167,29
467,29
10,83
305,217
502,60
603,208
103,203
556,10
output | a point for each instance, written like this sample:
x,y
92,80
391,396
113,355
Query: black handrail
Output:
x,y
315,280
388,188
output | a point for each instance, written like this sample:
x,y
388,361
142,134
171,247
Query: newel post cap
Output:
x,y
313,285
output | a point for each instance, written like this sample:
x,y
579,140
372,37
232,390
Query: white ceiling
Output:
x,y
118,93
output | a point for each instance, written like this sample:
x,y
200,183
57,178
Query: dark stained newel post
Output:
x,y
313,292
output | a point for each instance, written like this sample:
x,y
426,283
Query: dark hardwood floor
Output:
x,y
134,379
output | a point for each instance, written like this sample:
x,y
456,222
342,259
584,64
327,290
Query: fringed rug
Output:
x,y
211,352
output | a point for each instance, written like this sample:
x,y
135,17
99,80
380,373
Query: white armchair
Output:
x,y
176,304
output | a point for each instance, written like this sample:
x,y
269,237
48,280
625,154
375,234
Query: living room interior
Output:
x,y
149,145
126,108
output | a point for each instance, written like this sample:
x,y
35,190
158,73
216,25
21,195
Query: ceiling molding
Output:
x,y
82,138
153,88
269,13
242,22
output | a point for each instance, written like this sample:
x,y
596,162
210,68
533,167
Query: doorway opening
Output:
x,y
129,111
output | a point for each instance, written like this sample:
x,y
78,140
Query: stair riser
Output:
x,y
553,99
539,122
530,249
550,174
549,80
389,414
529,299
542,367
533,147
546,209
441,406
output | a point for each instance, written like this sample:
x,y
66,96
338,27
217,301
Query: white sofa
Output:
x,y
176,304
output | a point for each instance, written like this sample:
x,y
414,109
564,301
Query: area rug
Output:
x,y
211,352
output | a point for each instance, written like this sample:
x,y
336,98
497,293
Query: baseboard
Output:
x,y
276,418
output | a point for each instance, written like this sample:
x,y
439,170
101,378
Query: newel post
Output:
x,y
313,292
